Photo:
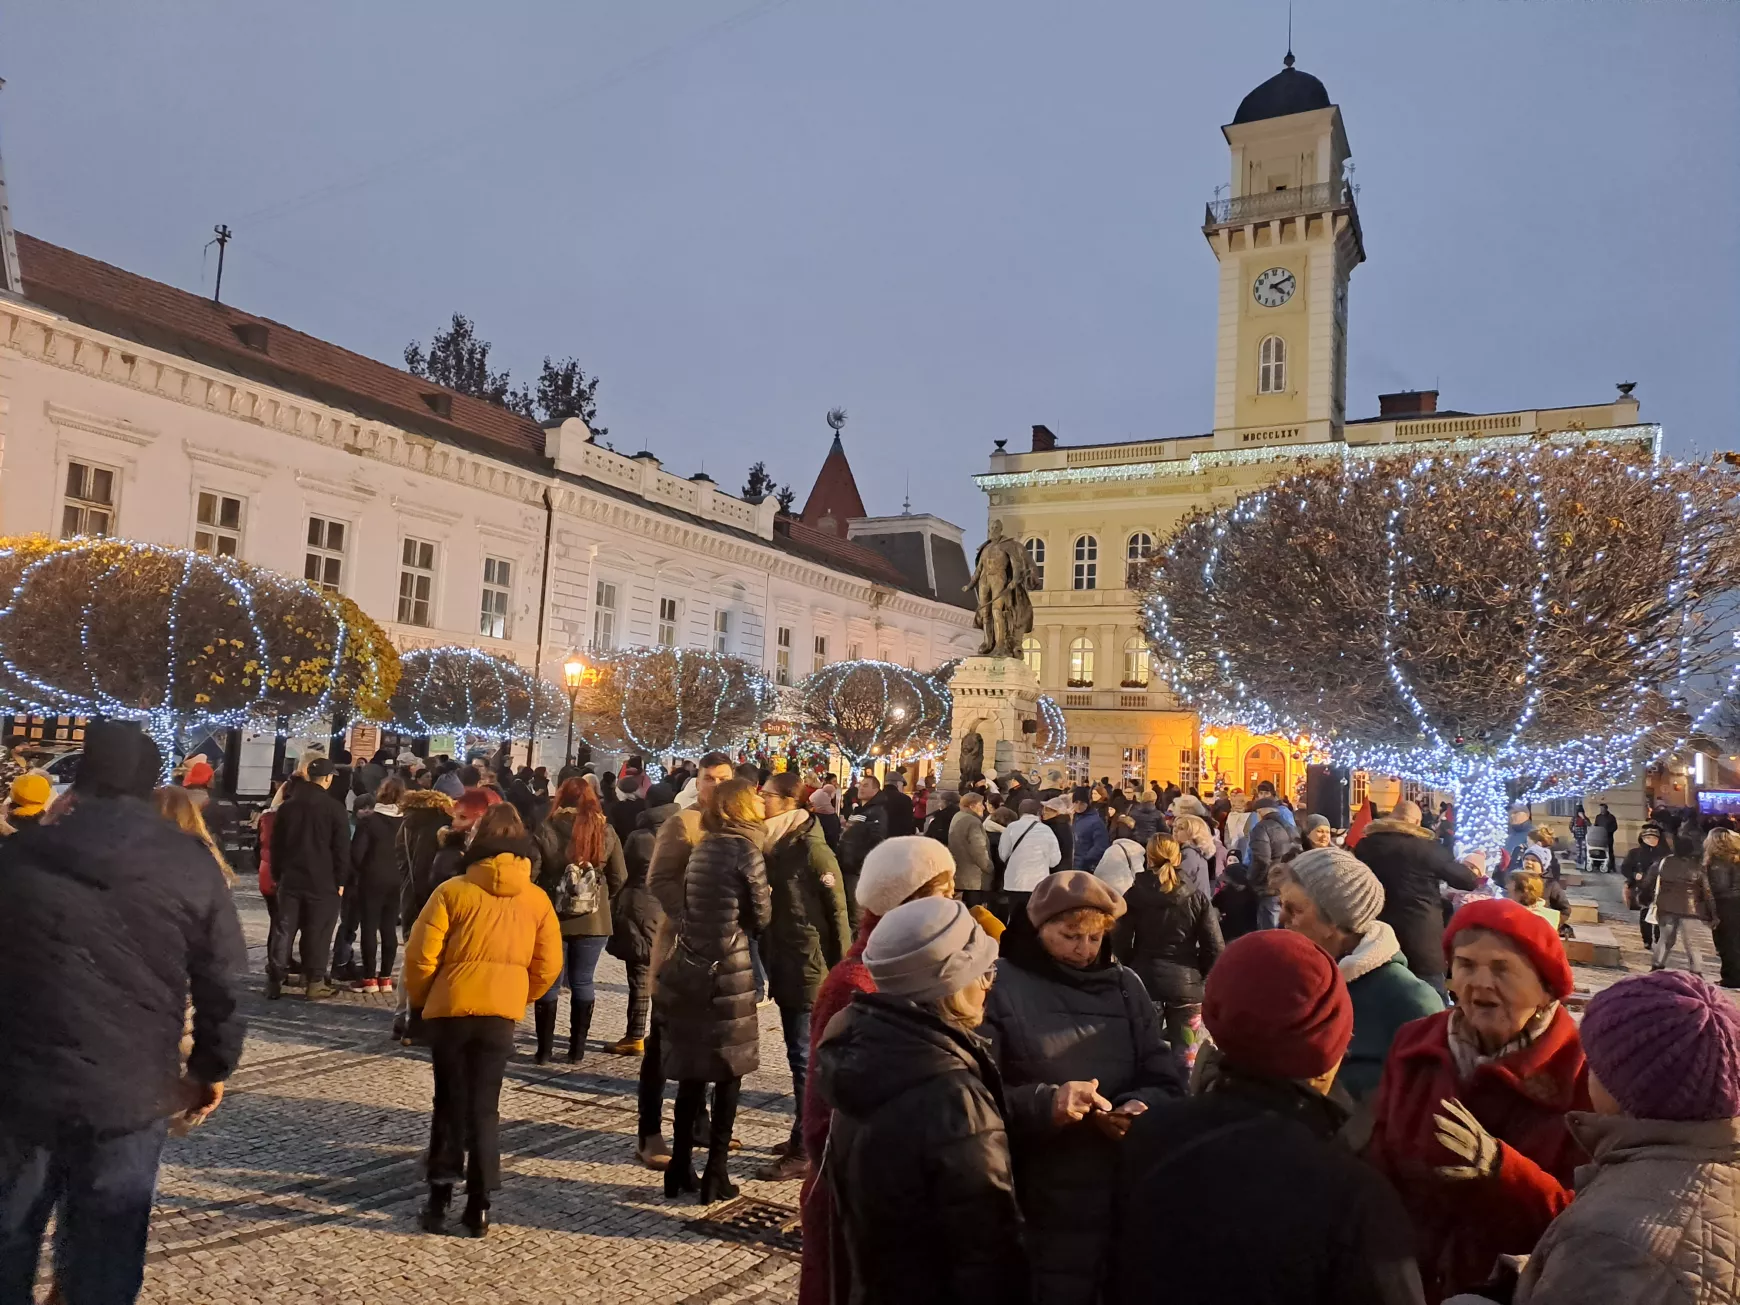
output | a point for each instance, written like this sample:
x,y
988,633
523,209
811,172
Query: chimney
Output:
x,y
1043,440
1407,403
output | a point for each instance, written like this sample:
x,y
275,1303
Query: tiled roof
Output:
x,y
835,493
837,551
134,307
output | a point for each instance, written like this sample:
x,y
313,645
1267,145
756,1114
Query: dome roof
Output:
x,y
1288,91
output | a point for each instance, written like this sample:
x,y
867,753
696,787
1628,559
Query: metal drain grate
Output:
x,y
749,1220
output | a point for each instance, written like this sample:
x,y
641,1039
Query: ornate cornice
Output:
x,y
91,423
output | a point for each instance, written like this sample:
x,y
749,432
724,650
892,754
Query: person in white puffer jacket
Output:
x,y
1029,851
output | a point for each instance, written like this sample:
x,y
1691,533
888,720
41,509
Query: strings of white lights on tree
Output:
x,y
472,695
1517,623
663,701
878,711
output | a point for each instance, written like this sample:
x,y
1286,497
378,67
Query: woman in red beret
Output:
x,y
1470,1116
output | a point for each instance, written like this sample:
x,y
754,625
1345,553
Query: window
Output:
x,y
667,622
220,524
782,655
1036,554
1077,763
1081,663
1272,365
1135,767
323,563
1358,788
1087,562
416,582
1135,664
855,652
497,588
1189,770
1135,553
721,630
1030,654
604,616
90,500
821,653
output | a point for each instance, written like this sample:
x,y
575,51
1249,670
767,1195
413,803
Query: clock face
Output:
x,y
1274,287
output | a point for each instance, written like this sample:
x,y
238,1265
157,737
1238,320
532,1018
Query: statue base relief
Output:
x,y
997,698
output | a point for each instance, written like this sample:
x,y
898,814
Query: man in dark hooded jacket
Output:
x,y
1410,864
310,858
111,921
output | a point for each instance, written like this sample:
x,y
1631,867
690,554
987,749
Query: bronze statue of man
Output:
x,y
1002,575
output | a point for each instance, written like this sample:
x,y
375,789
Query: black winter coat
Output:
x,y
1252,1168
374,853
1639,861
1410,864
625,816
310,843
1169,939
936,825
1050,1024
808,934
725,900
426,814
634,912
111,919
917,1162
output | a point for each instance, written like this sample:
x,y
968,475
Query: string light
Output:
x,y
878,711
672,701
471,695
1053,740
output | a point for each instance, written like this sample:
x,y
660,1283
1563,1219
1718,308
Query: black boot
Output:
x,y
579,1025
475,1220
680,1172
544,1017
716,1184
434,1216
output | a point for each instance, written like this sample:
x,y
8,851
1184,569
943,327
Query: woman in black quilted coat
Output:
x,y
1078,1044
704,1000
1170,936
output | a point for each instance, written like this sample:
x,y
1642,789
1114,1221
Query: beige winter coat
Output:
x,y
1656,1220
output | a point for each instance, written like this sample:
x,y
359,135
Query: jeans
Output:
x,y
794,1023
100,1190
1671,929
470,1054
579,967
311,914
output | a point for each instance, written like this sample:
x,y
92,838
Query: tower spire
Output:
x,y
1288,61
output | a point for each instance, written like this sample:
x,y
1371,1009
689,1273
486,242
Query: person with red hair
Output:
x,y
582,869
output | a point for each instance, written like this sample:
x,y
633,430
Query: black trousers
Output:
x,y
312,915
1645,928
378,917
651,1097
691,1101
349,920
471,1055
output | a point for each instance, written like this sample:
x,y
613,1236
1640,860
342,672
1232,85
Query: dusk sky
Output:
x,y
954,219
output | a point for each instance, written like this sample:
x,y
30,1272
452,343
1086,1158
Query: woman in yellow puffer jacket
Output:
x,y
486,944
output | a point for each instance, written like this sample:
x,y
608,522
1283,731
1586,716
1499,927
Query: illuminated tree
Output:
x,y
661,701
1529,622
878,711
1052,737
471,695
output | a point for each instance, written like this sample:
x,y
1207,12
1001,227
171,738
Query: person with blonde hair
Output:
x,y
175,806
1201,856
1527,887
1170,936
1722,869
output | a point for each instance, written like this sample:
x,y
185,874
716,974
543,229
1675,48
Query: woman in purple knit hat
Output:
x,y
1657,1211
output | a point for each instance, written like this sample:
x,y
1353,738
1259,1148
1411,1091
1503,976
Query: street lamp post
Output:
x,y
572,670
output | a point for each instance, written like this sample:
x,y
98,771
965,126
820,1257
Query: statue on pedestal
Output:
x,y
972,757
1002,575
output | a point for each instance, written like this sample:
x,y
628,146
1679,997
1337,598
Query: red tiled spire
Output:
x,y
835,493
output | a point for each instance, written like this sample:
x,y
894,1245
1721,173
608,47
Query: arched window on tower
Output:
x,y
1030,654
1087,562
1272,365
1036,555
1135,553
1081,663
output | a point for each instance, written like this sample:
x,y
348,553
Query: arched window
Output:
x,y
1036,554
1135,553
1087,562
1081,663
1272,365
1136,664
1030,653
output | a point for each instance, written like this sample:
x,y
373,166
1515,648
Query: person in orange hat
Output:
x,y
31,793
1469,1119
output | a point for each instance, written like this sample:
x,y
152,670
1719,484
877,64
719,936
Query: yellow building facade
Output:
x,y
1286,239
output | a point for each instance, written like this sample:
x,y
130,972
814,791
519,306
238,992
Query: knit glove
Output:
x,y
1461,1134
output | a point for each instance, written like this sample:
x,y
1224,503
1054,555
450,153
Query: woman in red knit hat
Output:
x,y
1469,1120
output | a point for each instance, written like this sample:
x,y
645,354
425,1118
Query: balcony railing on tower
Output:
x,y
1269,205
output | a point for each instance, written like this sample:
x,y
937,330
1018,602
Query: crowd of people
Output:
x,y
1075,1045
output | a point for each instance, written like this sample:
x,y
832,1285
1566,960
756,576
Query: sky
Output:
x,y
954,220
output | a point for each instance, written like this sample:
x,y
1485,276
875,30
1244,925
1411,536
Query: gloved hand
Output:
x,y
1461,1134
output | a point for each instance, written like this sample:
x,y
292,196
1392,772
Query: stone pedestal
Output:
x,y
997,697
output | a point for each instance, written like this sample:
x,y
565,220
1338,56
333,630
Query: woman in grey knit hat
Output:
x,y
1331,897
917,1159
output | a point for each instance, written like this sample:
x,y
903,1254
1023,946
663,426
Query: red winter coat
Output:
x,y
1463,1226
844,982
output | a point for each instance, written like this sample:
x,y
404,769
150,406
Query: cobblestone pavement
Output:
x,y
306,1183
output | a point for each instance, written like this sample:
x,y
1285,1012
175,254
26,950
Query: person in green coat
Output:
x,y
808,936
1331,897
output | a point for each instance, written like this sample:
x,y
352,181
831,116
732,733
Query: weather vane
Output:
x,y
837,419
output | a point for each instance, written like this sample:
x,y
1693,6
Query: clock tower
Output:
x,y
1287,237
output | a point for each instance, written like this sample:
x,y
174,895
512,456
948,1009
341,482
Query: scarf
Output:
x,y
1378,946
1466,1052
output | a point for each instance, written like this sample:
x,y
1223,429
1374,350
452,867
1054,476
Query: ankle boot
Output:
x,y
544,1017
475,1220
716,1184
434,1215
579,1025
680,1171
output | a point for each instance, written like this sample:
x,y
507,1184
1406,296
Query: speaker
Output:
x,y
1326,789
